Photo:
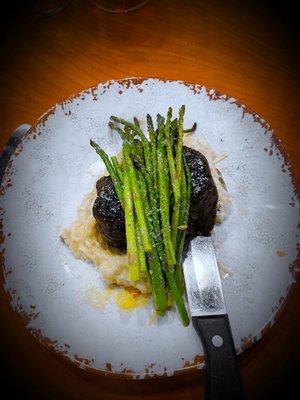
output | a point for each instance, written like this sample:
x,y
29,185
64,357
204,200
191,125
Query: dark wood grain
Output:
x,y
245,49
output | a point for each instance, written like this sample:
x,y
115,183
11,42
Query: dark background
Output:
x,y
270,369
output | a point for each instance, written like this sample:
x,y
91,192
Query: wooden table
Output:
x,y
245,50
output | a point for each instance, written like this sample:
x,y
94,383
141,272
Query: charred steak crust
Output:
x,y
108,212
204,194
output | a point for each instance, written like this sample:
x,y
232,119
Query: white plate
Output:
x,y
54,167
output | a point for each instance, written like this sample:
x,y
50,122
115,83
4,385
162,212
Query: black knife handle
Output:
x,y
223,381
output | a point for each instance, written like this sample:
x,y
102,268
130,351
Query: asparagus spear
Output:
x,y
128,137
125,135
177,298
184,216
180,142
175,216
140,133
152,137
155,270
117,168
137,200
164,199
174,178
116,181
135,128
150,128
132,250
152,183
140,250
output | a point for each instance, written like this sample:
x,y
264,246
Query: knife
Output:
x,y
210,320
10,147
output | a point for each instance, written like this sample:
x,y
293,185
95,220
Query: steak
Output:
x,y
108,212
204,194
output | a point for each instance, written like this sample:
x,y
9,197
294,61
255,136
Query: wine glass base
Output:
x,y
118,7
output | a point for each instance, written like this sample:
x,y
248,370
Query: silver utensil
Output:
x,y
11,145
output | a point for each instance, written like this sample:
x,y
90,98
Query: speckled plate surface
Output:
x,y
54,167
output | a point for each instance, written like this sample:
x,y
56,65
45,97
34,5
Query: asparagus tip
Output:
x,y
93,144
192,129
97,148
160,121
116,119
136,121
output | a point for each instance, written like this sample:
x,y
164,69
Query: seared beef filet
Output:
x,y
108,211
204,194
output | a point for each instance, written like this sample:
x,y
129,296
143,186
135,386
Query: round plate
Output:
x,y
54,167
